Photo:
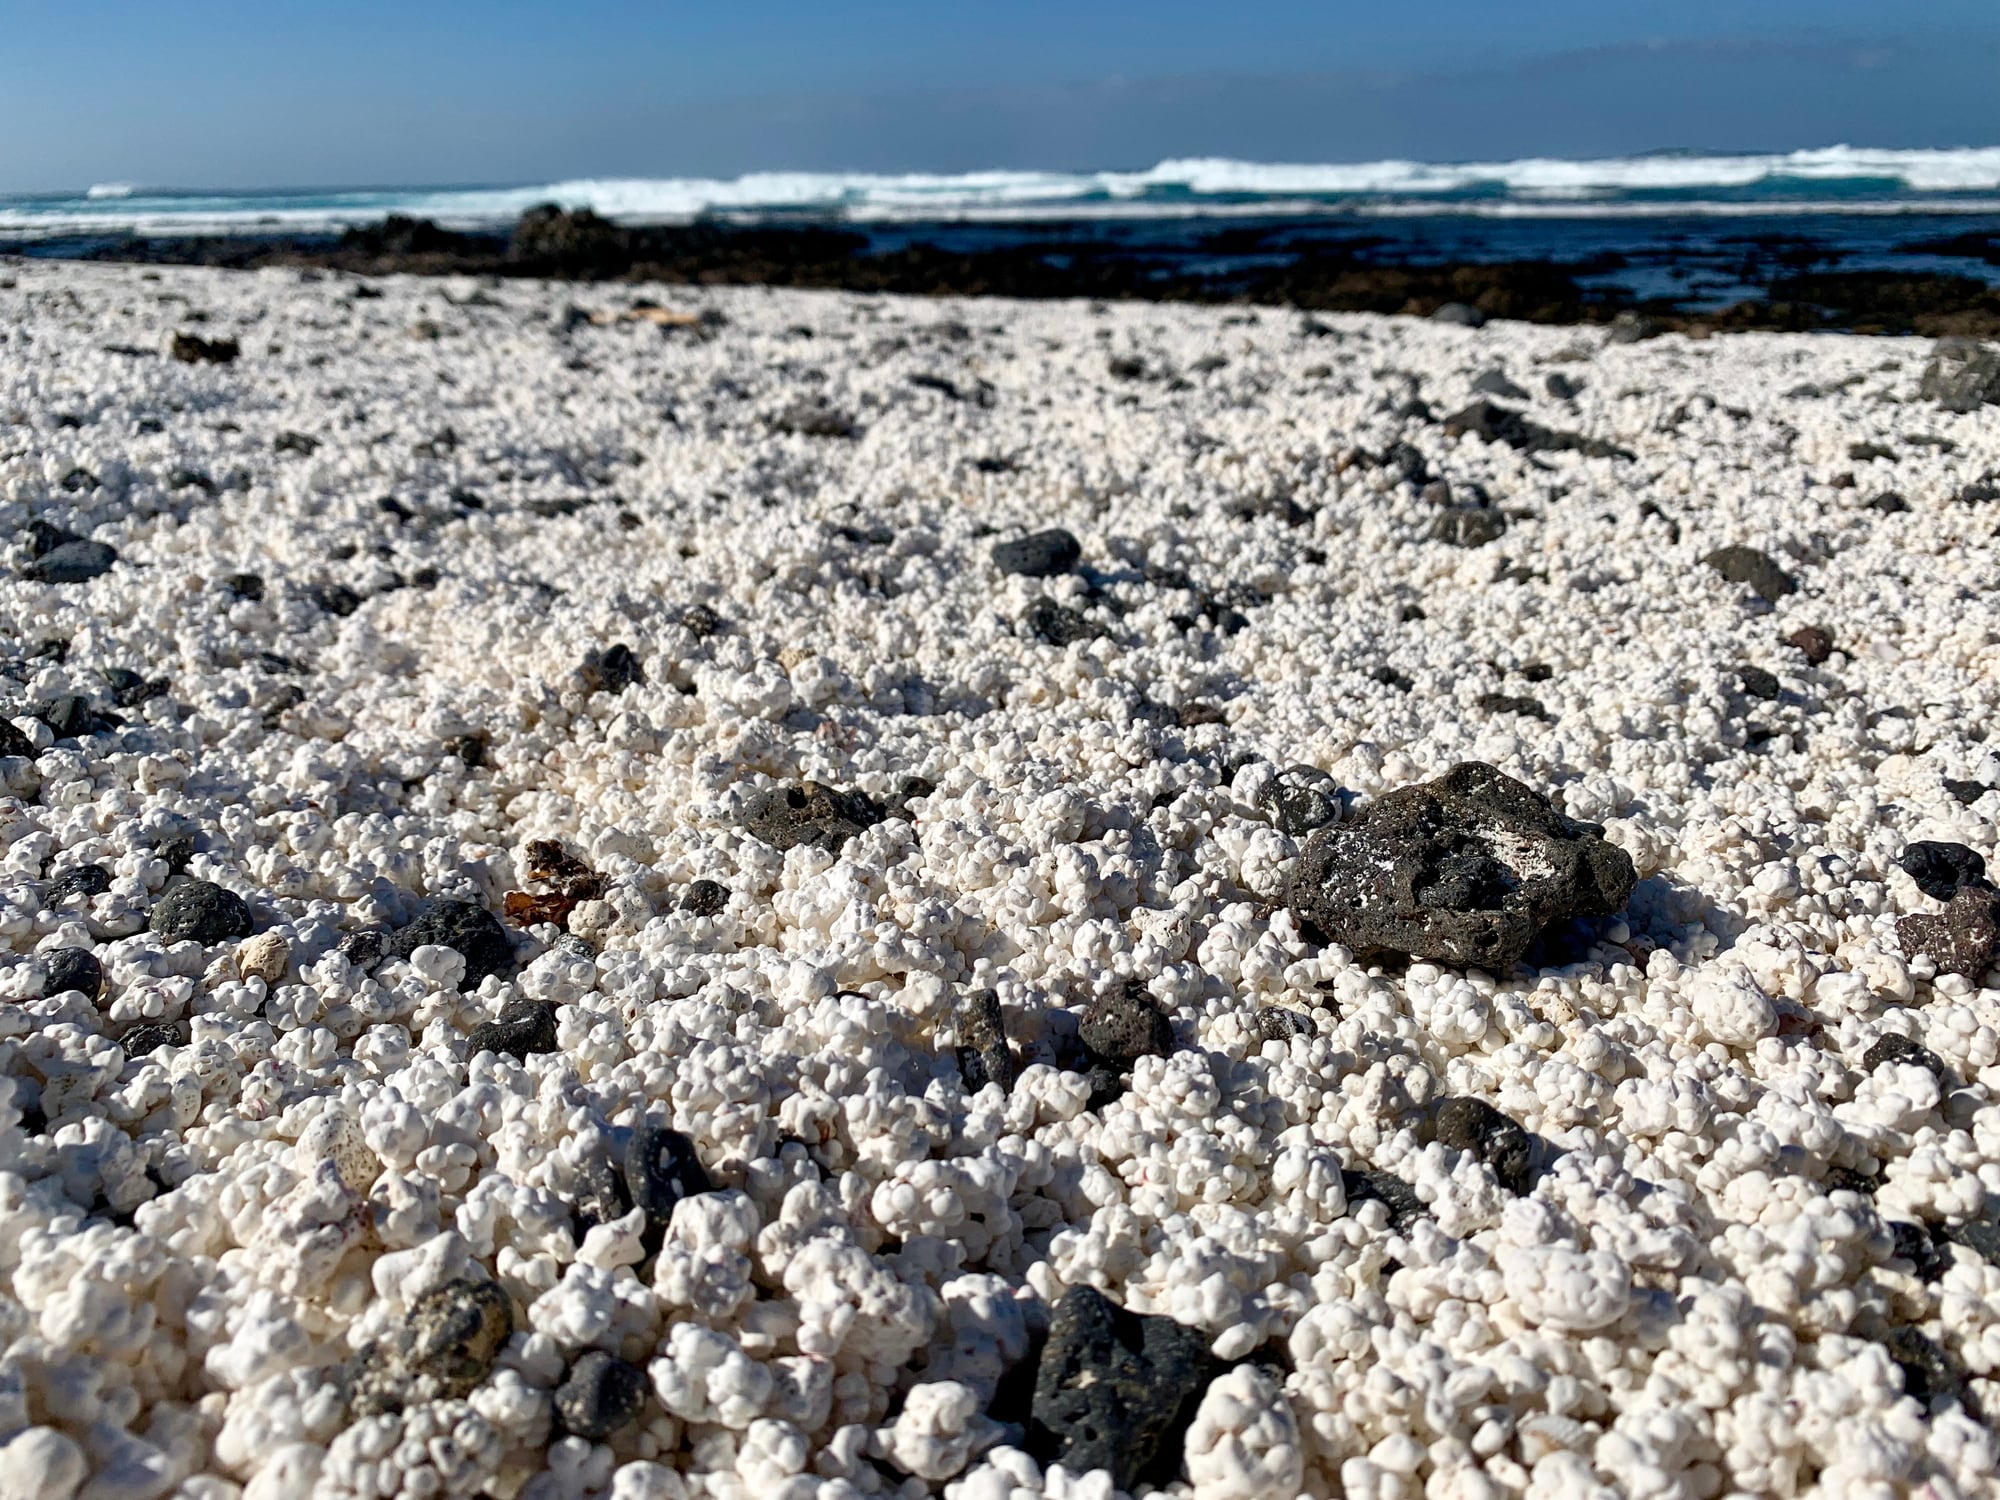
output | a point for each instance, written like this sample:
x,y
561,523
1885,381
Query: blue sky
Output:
x,y
207,93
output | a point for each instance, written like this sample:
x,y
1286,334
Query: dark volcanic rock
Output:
x,y
661,1168
1963,939
1495,383
1116,1390
1928,1372
1391,1191
1758,569
524,1026
13,741
1967,792
72,562
815,419
1055,624
704,898
1468,526
1302,799
470,929
1894,1047
144,1041
1758,683
1813,643
1511,703
1962,375
200,911
611,670
983,1054
363,949
1466,869
787,816
1493,423
1124,1026
1915,1244
572,242
1276,1024
599,1395
1474,1125
446,1344
1889,503
1939,869
192,349
85,881
1041,555
597,1193
73,969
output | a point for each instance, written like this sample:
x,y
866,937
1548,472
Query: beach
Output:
x,y
637,941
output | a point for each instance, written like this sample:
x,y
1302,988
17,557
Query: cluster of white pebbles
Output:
x,y
1693,1301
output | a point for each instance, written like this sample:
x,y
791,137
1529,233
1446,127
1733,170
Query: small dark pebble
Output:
x,y
1889,503
13,741
524,1027
1465,526
1495,383
1928,1373
1041,555
466,499
1861,453
1939,869
144,1041
192,349
44,538
469,748
1116,1390
334,598
363,949
1125,1025
175,851
72,562
1757,569
597,1192
1367,1185
1301,799
983,1054
245,585
599,1395
1849,1179
1980,1236
700,621
1813,642
1508,703
1389,677
1055,624
1562,387
1473,1125
200,911
190,479
823,816
1758,683
814,419
1411,612
1893,1047
1967,792
294,442
1914,1244
470,929
73,969
661,1168
84,881
611,670
444,1347
704,898
1276,1024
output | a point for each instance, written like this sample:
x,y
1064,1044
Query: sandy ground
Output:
x,y
457,498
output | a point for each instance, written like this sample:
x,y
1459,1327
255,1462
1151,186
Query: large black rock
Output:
x,y
470,929
785,817
1463,870
200,911
1042,554
1116,1390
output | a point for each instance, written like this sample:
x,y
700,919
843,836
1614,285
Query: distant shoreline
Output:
x,y
1663,280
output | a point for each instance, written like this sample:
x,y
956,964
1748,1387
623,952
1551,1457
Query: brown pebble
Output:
x,y
1814,643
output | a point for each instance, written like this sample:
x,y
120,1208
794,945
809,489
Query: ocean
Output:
x,y
1698,229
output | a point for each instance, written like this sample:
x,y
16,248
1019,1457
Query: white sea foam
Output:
x,y
1836,178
